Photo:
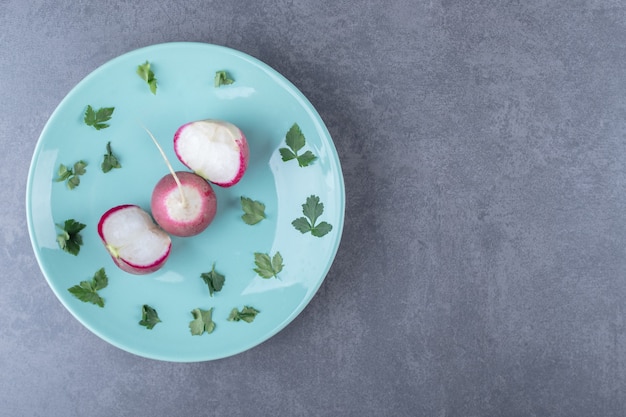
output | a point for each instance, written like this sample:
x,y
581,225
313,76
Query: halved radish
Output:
x,y
136,244
184,211
214,149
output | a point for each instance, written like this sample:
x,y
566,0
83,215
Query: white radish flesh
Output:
x,y
136,244
214,149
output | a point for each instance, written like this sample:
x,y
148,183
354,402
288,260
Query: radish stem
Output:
x,y
183,200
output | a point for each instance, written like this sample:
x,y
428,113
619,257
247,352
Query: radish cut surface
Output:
x,y
134,241
216,150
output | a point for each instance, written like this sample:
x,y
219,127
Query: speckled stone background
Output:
x,y
482,270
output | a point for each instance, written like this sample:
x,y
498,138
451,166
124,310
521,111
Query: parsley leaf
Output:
x,y
63,173
149,317
286,154
71,175
312,209
254,211
214,280
295,140
306,158
87,291
202,321
321,229
222,78
247,314
97,118
268,267
301,224
147,75
70,239
100,279
110,161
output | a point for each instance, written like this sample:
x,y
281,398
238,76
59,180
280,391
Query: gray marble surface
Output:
x,y
482,270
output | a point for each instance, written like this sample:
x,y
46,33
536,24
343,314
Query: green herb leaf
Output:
x,y
147,75
306,159
295,140
149,317
87,295
302,225
110,161
254,211
268,267
100,279
71,175
321,229
247,314
264,265
214,280
312,209
70,239
63,173
222,78
202,321
97,118
79,168
277,263
87,291
286,154
73,182
71,226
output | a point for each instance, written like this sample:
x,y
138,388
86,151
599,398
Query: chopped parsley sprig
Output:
x,y
97,119
246,314
312,209
214,280
70,238
71,175
147,75
222,78
253,211
87,291
110,161
149,317
202,322
295,140
268,267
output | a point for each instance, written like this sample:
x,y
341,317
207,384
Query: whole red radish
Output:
x,y
214,149
184,211
136,244
183,203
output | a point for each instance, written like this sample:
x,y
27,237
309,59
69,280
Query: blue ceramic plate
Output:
x,y
264,105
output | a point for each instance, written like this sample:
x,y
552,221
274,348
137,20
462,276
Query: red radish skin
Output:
x,y
136,244
214,149
187,217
